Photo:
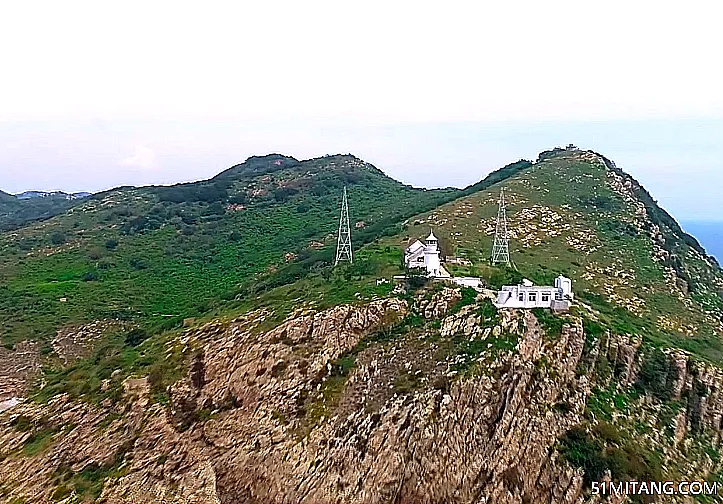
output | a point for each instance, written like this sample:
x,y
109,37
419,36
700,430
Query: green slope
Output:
x,y
156,255
572,213
575,213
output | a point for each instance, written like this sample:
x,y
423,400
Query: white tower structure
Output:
x,y
343,243
501,246
431,255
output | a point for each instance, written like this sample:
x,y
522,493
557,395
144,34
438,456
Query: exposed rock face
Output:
x,y
440,303
17,368
270,417
486,437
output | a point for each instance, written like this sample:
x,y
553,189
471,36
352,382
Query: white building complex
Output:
x,y
527,295
425,255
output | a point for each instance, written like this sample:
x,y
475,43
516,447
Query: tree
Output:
x,y
89,276
95,253
135,337
57,238
415,278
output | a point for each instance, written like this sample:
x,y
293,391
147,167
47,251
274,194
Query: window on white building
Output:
x,y
520,297
545,297
532,296
558,296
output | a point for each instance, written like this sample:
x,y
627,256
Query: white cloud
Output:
x,y
144,158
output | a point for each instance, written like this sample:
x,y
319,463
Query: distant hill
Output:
x,y
51,194
5,197
30,206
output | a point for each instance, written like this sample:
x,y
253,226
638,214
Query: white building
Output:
x,y
425,255
527,295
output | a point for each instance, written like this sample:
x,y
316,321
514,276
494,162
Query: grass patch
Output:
x,y
550,322
84,378
468,351
39,441
603,402
88,483
603,449
469,296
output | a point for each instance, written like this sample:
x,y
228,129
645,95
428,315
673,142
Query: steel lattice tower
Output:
x,y
343,244
501,247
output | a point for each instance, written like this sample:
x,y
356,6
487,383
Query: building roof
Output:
x,y
414,246
524,288
431,236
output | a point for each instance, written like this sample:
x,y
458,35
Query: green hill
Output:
x,y
575,213
157,255
16,213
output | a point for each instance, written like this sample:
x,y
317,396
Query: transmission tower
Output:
x,y
343,244
501,247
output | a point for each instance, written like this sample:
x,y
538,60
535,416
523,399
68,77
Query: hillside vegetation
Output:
x,y
157,255
16,213
577,214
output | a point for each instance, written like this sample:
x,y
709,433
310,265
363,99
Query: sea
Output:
x,y
709,234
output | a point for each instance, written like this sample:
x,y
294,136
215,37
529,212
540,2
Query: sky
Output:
x,y
94,95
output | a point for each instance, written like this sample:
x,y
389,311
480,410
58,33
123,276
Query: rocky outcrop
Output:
x,y
335,407
483,438
440,303
17,369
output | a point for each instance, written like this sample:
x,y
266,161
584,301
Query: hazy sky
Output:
x,y
94,95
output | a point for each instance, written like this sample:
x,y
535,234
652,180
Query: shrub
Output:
x,y
469,296
654,375
89,276
95,253
57,238
111,244
592,328
415,279
549,321
488,311
504,276
582,451
604,203
138,264
26,244
215,208
284,193
135,337
239,198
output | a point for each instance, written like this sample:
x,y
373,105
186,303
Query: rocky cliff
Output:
x,y
368,403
